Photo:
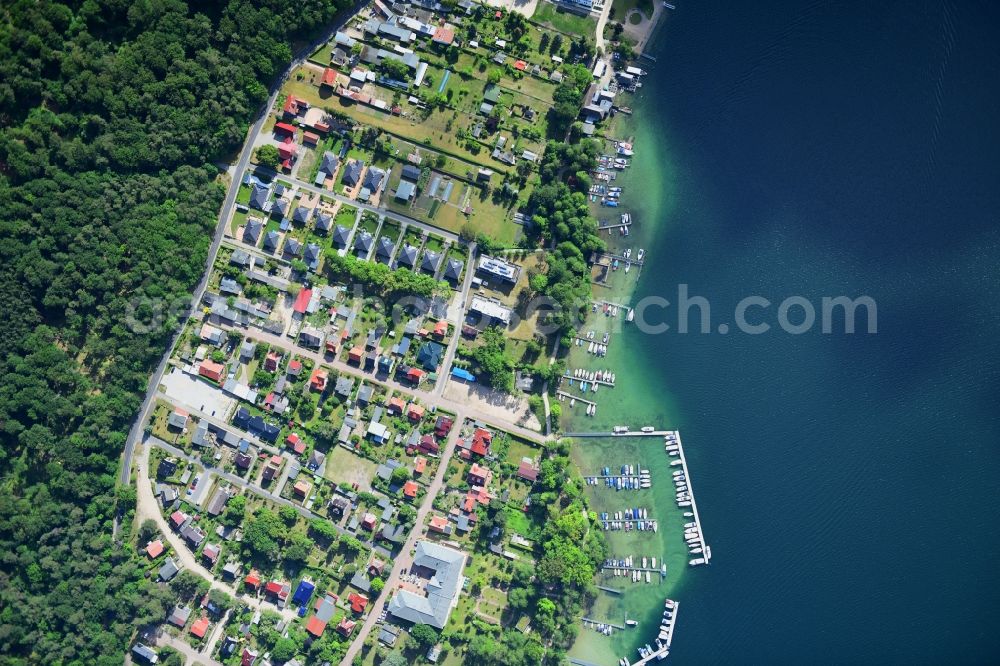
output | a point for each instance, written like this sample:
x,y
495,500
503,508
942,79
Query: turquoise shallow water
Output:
x,y
848,484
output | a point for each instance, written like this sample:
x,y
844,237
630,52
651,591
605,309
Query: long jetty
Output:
x,y
584,379
630,433
576,397
706,552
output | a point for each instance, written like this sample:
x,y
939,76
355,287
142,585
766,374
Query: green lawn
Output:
x,y
563,20
621,8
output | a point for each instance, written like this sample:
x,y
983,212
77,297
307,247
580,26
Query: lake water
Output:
x,y
848,484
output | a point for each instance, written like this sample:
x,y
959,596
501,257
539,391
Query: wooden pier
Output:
x,y
587,620
591,381
631,569
611,590
621,259
608,226
576,397
630,433
706,552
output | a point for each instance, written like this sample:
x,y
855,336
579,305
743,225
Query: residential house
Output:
x,y
341,235
168,570
352,173
453,270
179,616
480,475
430,262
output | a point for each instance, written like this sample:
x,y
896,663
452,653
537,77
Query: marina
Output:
x,y
693,534
647,653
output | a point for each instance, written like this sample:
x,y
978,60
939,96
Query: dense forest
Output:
x,y
110,112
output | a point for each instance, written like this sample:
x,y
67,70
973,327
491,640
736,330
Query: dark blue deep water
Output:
x,y
848,484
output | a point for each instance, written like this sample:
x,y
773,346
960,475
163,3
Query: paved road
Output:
x,y
449,355
405,557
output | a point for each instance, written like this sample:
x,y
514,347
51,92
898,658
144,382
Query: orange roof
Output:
x,y
415,411
396,404
291,105
358,602
315,626
479,472
441,328
419,464
410,488
302,488
252,579
329,77
439,522
520,65
211,369
200,627
154,549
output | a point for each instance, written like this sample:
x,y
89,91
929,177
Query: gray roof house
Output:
x,y
177,419
200,435
252,231
271,240
168,570
344,386
445,568
405,190
229,286
301,215
363,243
329,163
430,262
453,270
312,255
352,173
279,207
258,197
385,248
145,653
407,256
293,247
373,178
340,236
179,616
323,222
410,172
365,394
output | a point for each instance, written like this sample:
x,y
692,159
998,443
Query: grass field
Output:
x,y
342,466
563,20
621,8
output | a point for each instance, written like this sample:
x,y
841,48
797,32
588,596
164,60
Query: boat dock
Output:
x,y
621,259
577,398
610,590
587,620
706,553
630,433
658,572
607,226
589,381
663,645
584,339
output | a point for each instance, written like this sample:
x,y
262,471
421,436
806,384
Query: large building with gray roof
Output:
x,y
443,568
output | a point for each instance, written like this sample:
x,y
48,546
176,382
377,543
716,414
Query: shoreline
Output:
x,y
646,175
